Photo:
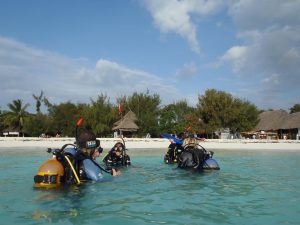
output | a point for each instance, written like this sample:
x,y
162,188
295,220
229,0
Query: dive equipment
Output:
x,y
50,174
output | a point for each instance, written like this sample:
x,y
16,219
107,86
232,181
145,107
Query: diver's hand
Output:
x,y
115,172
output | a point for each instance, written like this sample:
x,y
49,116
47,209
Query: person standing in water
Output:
x,y
117,157
84,160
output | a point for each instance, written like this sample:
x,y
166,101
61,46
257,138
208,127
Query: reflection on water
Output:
x,y
250,188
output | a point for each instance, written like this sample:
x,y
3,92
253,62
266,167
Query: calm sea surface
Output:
x,y
251,188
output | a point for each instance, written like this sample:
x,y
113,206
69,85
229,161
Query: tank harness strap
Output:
x,y
196,159
47,179
174,152
74,172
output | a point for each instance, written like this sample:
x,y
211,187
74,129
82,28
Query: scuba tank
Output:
x,y
50,174
197,157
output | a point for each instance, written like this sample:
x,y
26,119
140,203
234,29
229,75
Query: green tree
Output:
x,y
63,118
35,125
38,99
295,108
100,116
48,104
213,109
146,108
174,117
1,121
218,109
15,117
245,116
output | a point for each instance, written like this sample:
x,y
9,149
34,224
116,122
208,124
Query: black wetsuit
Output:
x,y
112,160
174,150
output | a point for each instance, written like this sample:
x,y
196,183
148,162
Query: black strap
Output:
x,y
96,164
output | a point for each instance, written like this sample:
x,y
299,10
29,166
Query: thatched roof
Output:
x,y
129,116
278,119
291,121
127,123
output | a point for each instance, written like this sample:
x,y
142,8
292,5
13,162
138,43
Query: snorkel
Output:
x,y
79,122
123,152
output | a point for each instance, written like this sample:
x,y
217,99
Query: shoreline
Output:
x,y
155,143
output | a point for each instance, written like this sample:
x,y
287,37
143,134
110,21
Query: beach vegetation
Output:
x,y
100,115
215,110
146,108
295,108
63,117
38,124
38,99
218,109
175,117
15,116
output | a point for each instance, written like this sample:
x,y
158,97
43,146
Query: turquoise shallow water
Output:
x,y
251,188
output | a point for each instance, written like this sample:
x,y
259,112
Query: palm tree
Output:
x,y
15,117
39,100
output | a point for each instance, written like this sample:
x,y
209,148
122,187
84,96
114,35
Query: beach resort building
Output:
x,y
126,126
278,124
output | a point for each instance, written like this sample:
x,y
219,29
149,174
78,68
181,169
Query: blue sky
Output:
x,y
76,50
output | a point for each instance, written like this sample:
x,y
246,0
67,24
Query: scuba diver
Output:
x,y
117,156
186,151
73,164
84,160
194,156
174,150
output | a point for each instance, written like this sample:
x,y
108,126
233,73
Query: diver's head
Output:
x,y
94,153
118,148
180,136
87,139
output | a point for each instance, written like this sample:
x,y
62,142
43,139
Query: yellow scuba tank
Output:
x,y
49,174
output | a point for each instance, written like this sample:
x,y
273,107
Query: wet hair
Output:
x,y
119,143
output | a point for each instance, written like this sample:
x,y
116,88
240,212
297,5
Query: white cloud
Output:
x,y
25,71
260,14
273,79
270,49
179,15
237,55
188,70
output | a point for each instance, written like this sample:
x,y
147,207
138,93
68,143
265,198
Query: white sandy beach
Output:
x,y
155,143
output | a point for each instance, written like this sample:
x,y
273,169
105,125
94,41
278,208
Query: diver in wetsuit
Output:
x,y
117,157
174,150
83,161
193,155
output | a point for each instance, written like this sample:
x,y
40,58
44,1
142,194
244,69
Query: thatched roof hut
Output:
x,y
292,121
278,120
127,123
271,120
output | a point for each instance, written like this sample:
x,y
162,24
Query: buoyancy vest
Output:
x,y
192,158
92,171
